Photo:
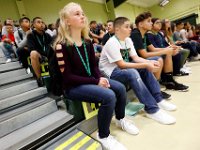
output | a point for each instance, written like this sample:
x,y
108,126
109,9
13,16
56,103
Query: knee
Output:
x,y
121,88
34,55
160,60
133,73
109,98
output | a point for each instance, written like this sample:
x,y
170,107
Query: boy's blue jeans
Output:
x,y
7,49
143,83
113,98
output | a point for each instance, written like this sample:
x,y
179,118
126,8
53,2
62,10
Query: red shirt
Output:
x,y
10,36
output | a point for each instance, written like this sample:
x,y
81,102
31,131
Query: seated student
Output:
x,y
21,41
192,32
167,32
141,43
157,39
185,35
81,76
50,30
194,55
8,43
38,44
94,32
114,63
8,21
110,32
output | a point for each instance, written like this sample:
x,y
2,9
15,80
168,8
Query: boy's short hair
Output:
x,y
22,19
119,21
36,18
93,22
141,17
110,21
179,23
153,20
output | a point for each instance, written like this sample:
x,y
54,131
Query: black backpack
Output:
x,y
20,34
55,74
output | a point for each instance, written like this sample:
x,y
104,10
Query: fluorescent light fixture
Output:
x,y
164,2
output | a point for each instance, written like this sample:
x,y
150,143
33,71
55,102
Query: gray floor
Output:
x,y
184,135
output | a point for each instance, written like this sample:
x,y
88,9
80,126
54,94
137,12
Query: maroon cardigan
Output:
x,y
74,72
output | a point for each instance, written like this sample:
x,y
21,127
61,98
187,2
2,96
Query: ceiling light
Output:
x,y
164,2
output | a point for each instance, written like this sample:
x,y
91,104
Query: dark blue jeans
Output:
x,y
110,99
143,83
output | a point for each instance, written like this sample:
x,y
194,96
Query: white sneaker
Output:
x,y
28,71
110,143
127,126
8,60
186,67
185,70
167,106
196,58
162,117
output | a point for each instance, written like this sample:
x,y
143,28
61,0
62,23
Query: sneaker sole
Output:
x,y
185,90
160,121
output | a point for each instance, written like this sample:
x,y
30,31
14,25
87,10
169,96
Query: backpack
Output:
x,y
20,34
55,74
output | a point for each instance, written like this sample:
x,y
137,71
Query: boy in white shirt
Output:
x,y
114,63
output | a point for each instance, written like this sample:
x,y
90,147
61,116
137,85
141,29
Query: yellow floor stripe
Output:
x,y
93,146
69,141
81,143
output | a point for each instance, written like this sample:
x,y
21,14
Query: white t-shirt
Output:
x,y
114,50
184,35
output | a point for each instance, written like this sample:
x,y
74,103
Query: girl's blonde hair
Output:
x,y
63,33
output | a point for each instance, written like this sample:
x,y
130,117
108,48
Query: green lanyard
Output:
x,y
126,55
42,45
85,64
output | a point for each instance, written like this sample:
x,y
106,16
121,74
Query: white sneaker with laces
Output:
x,y
167,106
110,143
127,126
8,60
162,117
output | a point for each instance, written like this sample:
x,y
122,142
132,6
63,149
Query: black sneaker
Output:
x,y
176,86
165,95
40,82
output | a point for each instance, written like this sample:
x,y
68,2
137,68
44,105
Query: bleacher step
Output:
x,y
27,96
13,76
25,115
10,66
5,86
2,60
35,130
18,89
73,139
